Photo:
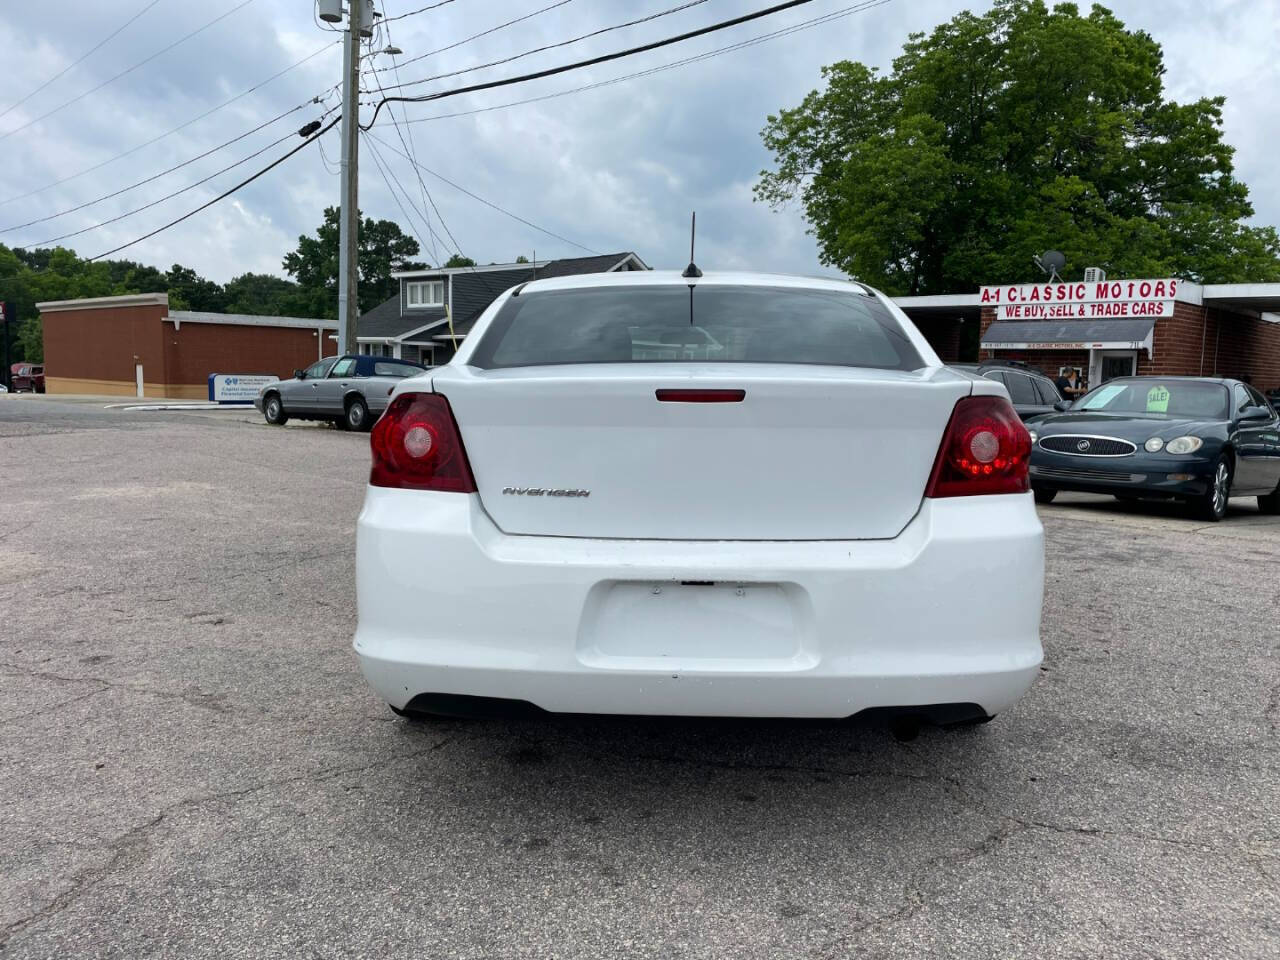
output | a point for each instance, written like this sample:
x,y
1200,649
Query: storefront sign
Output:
x,y
1108,299
1065,345
236,387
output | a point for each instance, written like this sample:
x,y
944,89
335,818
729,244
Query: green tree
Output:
x,y
522,259
263,294
458,260
999,136
28,277
193,291
383,248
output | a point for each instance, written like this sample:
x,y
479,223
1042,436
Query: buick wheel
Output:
x,y
1212,504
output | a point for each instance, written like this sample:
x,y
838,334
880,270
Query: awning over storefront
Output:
x,y
1069,335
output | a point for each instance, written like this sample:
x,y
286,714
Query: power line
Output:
x,y
485,86
226,193
719,51
183,126
549,46
484,33
487,203
79,97
412,13
452,239
169,196
157,176
83,57
331,168
592,61
387,176
411,146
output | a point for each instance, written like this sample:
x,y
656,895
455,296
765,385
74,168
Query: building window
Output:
x,y
424,293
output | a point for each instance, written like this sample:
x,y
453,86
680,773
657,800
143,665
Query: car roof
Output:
x,y
369,357
1152,376
673,278
1016,367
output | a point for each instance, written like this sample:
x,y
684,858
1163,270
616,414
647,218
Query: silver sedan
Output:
x,y
351,391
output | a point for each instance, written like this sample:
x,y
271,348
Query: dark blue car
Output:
x,y
1197,439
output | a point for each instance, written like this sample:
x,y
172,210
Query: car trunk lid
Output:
x,y
784,453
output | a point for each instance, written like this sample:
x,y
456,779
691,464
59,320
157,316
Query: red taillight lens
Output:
x,y
416,446
986,449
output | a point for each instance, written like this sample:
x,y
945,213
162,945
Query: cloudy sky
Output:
x,y
614,168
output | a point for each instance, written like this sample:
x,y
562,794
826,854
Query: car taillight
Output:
x,y
985,449
416,446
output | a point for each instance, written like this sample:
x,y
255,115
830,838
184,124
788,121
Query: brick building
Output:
x,y
1167,327
136,346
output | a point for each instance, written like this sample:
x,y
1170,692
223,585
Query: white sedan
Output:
x,y
723,495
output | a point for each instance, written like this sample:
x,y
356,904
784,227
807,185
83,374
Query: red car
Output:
x,y
27,376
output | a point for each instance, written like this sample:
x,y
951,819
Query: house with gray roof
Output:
x,y
415,324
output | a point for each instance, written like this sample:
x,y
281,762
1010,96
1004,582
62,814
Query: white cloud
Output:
x,y
615,168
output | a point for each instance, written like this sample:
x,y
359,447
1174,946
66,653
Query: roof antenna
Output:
x,y
692,269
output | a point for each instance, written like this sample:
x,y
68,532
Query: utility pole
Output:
x,y
349,222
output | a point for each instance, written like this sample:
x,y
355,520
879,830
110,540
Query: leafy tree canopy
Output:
x,y
458,260
28,277
999,136
384,248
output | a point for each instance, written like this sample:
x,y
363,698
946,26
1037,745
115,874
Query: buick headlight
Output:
x,y
1153,445
1034,436
1183,445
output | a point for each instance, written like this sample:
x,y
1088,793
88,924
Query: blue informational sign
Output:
x,y
237,387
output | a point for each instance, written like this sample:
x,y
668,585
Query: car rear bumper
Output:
x,y
948,612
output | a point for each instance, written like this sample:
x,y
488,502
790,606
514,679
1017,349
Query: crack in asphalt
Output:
x,y
61,704
207,701
915,895
133,840
16,530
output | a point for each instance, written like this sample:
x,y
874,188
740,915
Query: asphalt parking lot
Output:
x,y
192,765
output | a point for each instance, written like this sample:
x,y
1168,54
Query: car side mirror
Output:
x,y
1062,406
1255,413
299,374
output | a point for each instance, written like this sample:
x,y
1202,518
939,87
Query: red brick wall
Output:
x,y
195,350
1233,345
94,350
104,344
943,336
1240,346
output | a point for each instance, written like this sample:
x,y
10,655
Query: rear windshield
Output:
x,y
709,324
389,368
1158,398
